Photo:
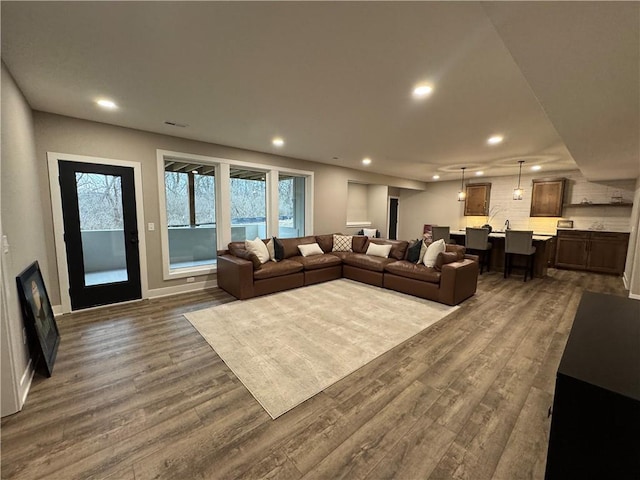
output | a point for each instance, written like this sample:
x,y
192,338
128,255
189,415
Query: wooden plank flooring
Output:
x,y
138,394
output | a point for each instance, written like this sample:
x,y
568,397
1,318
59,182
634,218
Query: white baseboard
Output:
x,y
185,288
57,310
625,281
635,296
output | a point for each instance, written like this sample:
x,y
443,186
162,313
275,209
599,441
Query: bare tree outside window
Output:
x,y
99,201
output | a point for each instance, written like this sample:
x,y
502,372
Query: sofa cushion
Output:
x,y
459,250
398,247
237,250
404,268
359,243
366,262
326,242
277,269
444,258
315,262
290,245
342,243
341,255
378,250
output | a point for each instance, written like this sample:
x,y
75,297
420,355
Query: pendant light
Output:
x,y
517,192
462,195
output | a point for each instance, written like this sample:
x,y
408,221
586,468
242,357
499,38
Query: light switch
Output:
x,y
152,227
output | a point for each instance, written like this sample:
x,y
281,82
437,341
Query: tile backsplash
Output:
x,y
578,189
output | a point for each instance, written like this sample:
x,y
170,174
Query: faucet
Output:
x,y
507,225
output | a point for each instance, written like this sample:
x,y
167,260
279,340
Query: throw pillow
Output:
x,y
246,255
258,248
378,250
278,249
342,243
370,232
413,252
432,252
423,249
271,247
310,249
444,258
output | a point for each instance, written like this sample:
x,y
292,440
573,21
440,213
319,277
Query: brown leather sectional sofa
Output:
x,y
452,280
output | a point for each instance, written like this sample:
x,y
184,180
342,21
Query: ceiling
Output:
x,y
559,80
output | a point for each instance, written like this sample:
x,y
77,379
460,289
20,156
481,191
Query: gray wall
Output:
x,y
57,133
22,223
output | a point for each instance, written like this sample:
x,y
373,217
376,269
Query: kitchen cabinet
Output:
x,y
547,197
594,251
477,199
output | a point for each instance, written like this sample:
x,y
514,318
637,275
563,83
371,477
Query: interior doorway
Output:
x,y
393,218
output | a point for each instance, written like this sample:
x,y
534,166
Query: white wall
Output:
x,y
22,224
61,134
378,204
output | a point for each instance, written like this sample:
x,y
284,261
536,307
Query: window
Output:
x,y
207,202
190,212
248,204
291,206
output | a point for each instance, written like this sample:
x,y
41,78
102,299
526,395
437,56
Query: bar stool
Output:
x,y
477,242
441,233
519,242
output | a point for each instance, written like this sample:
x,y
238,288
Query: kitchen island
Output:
x,y
544,243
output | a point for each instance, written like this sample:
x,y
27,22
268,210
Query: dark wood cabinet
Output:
x,y
547,197
596,406
572,249
477,199
608,252
604,252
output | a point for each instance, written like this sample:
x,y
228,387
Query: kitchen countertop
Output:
x,y
499,234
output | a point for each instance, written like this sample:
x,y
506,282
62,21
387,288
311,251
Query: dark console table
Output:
x,y
595,427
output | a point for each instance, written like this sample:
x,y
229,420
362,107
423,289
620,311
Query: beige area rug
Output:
x,y
289,346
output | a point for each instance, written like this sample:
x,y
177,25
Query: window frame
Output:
x,y
223,201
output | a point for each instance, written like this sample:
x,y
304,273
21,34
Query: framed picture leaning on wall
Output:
x,y
38,317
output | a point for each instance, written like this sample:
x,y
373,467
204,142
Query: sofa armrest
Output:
x,y
475,258
458,281
235,275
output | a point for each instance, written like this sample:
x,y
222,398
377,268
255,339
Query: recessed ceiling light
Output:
x,y
277,142
107,104
535,168
479,173
366,161
422,91
436,177
496,139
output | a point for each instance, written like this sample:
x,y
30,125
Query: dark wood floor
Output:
x,y
137,393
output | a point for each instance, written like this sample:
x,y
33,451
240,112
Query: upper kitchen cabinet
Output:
x,y
546,197
477,200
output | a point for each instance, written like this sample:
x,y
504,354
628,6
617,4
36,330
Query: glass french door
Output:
x,y
100,233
